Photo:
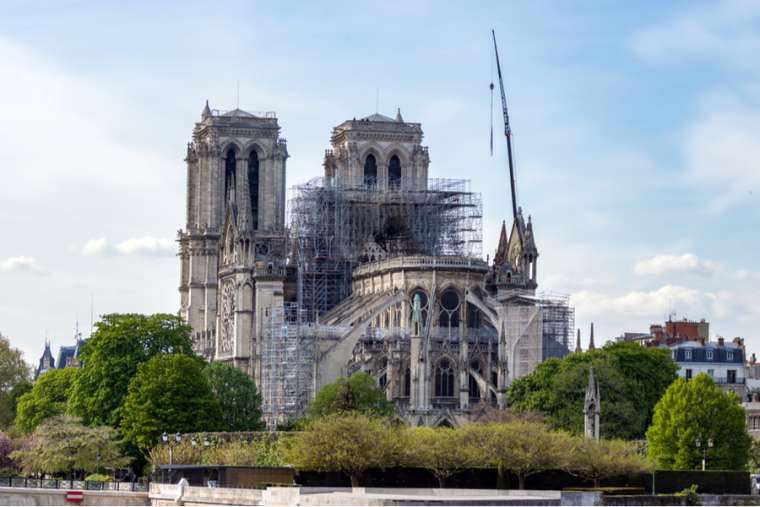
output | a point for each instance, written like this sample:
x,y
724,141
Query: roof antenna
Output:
x,y
491,86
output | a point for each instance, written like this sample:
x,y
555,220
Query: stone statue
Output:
x,y
417,314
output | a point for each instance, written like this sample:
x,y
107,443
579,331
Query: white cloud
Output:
x,y
721,33
96,246
653,304
721,149
146,245
664,264
22,264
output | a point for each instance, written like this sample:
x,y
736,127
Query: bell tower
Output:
x,y
235,216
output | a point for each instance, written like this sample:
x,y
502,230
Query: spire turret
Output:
x,y
591,340
206,111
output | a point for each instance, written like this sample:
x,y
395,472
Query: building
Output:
x,y
68,356
722,361
379,269
679,331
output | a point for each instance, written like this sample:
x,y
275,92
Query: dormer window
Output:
x,y
688,354
709,355
729,355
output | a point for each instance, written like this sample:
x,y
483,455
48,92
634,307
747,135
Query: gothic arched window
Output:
x,y
253,186
229,175
407,382
444,379
370,171
394,172
449,316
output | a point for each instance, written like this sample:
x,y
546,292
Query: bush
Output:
x,y
692,498
97,478
258,452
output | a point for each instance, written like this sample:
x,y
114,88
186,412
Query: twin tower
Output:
x,y
234,247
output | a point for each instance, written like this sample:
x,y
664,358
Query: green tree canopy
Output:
x,y
111,356
9,402
357,393
698,410
631,378
168,393
350,443
13,372
523,447
239,400
63,445
443,451
47,398
595,461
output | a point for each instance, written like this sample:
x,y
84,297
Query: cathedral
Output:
x,y
378,268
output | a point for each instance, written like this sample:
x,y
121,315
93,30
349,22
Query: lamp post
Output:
x,y
171,442
704,449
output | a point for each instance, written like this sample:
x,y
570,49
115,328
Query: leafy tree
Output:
x,y
258,452
14,377
239,400
47,398
350,443
443,451
632,379
698,410
525,448
595,461
111,356
63,445
6,446
357,393
9,402
168,393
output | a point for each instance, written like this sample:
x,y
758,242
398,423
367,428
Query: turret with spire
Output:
x,y
578,342
591,345
591,407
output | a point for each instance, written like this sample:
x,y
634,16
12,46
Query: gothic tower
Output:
x,y
234,231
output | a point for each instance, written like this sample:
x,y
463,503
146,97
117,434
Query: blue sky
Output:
x,y
635,127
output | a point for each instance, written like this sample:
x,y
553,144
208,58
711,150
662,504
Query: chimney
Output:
x,y
721,341
754,359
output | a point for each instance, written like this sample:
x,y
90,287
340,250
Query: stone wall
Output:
x,y
34,496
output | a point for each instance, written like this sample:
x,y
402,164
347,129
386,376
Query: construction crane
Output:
x,y
507,129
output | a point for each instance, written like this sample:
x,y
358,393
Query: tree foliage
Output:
x,y
443,451
698,410
349,442
168,393
357,393
522,447
9,402
595,461
239,400
47,398
631,378
6,446
63,445
261,452
14,380
111,356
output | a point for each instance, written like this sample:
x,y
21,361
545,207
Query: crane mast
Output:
x,y
507,130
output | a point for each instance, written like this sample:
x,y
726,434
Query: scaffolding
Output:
x,y
287,364
335,228
558,324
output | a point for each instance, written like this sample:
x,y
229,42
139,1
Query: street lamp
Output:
x,y
171,443
704,448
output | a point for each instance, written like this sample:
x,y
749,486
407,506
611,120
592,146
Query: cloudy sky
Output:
x,y
635,127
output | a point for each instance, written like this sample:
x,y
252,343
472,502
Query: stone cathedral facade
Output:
x,y
378,271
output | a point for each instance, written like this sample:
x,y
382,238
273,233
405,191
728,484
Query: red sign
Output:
x,y
75,496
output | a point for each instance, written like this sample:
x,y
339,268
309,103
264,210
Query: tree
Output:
x,y
525,448
111,356
6,446
14,378
62,444
239,400
47,398
350,443
632,379
9,402
595,461
443,451
357,393
168,393
698,410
